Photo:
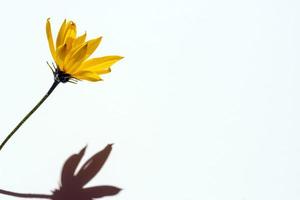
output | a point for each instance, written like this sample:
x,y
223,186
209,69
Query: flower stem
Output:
x,y
22,195
54,85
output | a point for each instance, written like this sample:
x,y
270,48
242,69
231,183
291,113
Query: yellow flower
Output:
x,y
71,53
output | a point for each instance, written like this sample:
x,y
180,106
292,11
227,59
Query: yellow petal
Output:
x,y
98,71
50,38
70,34
89,76
61,34
92,46
77,43
73,63
99,65
76,59
61,53
102,71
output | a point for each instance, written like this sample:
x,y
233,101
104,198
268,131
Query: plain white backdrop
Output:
x,y
205,104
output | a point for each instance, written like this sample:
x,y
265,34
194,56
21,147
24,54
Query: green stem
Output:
x,y
15,194
54,85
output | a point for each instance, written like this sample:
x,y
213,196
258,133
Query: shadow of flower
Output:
x,y
72,183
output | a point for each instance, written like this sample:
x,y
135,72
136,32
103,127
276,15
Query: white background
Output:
x,y
205,104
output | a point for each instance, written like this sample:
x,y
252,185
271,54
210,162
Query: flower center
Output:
x,y
61,76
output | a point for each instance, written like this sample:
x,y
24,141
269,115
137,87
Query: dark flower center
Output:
x,y
61,76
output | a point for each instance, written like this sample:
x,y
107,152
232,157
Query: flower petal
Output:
x,y
61,53
79,41
50,38
76,59
99,65
61,34
92,46
70,34
89,76
99,72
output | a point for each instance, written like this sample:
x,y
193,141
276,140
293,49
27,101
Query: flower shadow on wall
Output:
x,y
72,183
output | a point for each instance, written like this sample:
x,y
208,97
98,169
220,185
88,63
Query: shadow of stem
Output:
x,y
22,195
